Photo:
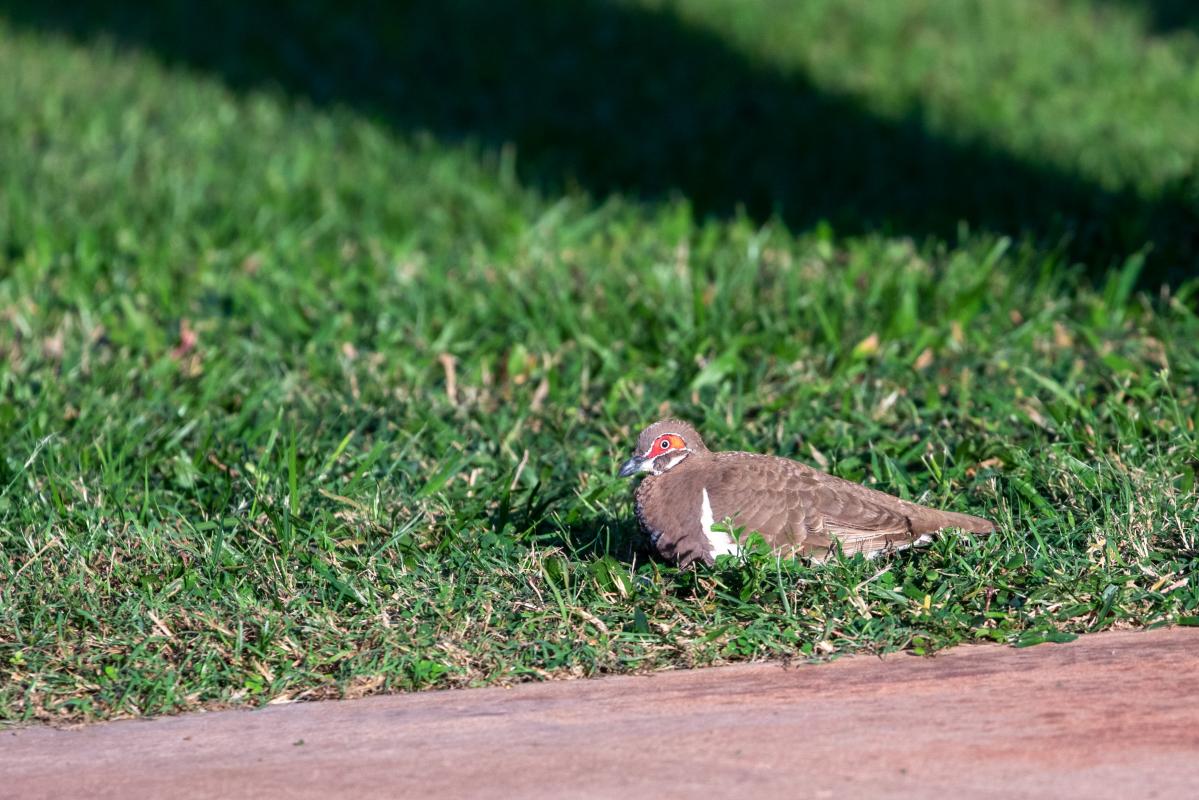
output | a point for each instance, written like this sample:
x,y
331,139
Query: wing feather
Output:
x,y
793,505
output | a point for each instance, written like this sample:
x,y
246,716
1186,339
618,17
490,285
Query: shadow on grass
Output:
x,y
633,100
1166,16
583,537
590,539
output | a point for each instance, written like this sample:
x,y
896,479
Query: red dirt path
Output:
x,y
1110,715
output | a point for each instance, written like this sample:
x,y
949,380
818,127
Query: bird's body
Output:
x,y
798,510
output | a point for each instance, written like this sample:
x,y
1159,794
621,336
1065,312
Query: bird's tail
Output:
x,y
952,519
930,520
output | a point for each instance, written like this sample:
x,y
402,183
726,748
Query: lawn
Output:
x,y
324,329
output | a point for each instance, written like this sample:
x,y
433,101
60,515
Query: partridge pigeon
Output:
x,y
798,510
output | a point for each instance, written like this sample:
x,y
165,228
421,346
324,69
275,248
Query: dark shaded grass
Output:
x,y
656,100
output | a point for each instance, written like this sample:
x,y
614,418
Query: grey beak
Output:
x,y
632,466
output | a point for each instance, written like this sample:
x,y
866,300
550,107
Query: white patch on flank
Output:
x,y
722,543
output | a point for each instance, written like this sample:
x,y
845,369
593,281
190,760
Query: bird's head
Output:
x,y
662,446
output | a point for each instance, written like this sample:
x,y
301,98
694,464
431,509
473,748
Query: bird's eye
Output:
x,y
665,444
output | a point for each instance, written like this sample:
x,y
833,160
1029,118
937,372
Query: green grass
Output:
x,y
303,396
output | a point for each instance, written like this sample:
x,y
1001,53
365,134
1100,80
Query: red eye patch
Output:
x,y
664,444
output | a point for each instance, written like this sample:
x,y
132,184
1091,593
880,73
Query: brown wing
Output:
x,y
856,521
796,507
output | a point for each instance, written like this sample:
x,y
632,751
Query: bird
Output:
x,y
688,490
